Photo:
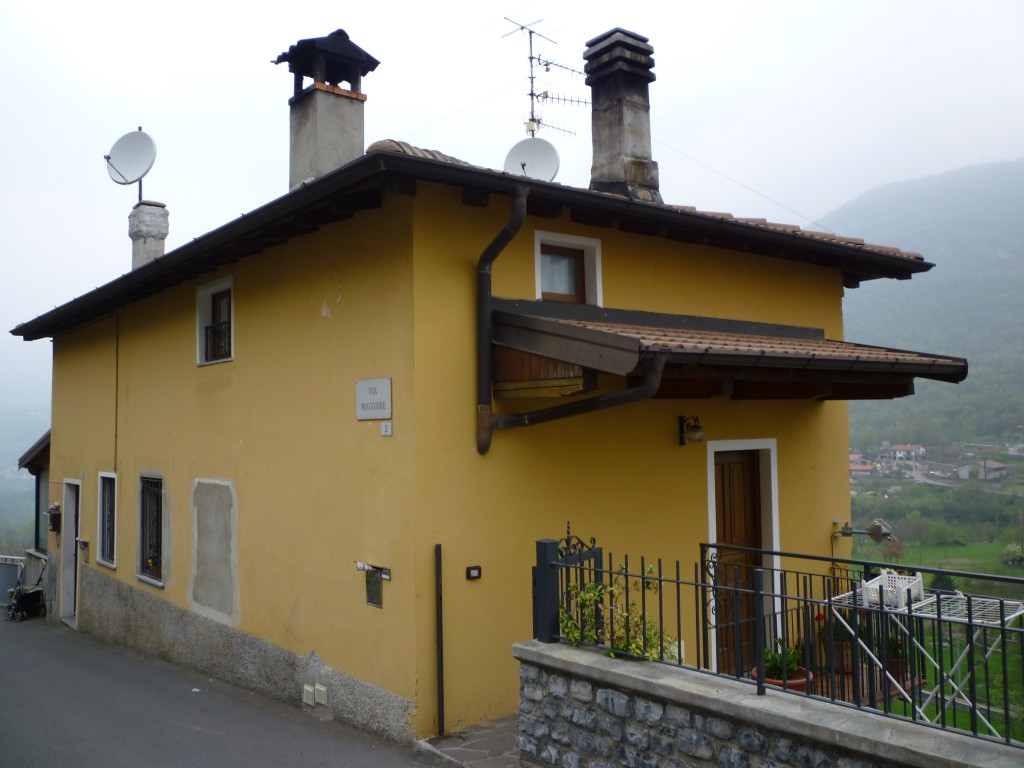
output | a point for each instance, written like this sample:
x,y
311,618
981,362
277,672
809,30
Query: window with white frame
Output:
x,y
214,323
151,523
568,268
107,519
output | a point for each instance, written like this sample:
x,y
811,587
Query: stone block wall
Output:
x,y
581,709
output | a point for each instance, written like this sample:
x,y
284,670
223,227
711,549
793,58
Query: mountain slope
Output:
x,y
970,224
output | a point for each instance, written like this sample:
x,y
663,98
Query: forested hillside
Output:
x,y
970,224
19,430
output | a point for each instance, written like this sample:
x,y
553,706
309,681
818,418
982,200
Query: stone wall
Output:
x,y
579,708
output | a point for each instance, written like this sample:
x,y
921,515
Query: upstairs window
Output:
x,y
214,323
561,274
568,268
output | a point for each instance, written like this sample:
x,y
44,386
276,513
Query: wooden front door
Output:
x,y
738,512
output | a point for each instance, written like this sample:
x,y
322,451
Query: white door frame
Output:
x,y
71,504
768,482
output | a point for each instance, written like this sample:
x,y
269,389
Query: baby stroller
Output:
x,y
26,602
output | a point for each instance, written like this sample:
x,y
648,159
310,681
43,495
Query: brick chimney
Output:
x,y
326,119
618,70
147,227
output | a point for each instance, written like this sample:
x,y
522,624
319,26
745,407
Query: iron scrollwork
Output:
x,y
711,569
574,545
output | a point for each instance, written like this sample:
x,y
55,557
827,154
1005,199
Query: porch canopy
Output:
x,y
707,357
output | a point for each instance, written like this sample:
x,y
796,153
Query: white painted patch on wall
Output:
x,y
325,311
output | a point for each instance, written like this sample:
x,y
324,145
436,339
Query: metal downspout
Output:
x,y
653,368
484,351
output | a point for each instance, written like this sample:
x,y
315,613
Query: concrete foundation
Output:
x,y
123,615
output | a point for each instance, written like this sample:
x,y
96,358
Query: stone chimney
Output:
x,y
147,227
326,119
618,70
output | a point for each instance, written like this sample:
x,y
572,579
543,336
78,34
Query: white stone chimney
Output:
x,y
147,227
326,120
618,70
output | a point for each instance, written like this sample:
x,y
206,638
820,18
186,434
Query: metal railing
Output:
x,y
10,566
217,341
857,634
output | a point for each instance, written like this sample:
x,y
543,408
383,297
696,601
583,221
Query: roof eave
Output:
x,y
223,245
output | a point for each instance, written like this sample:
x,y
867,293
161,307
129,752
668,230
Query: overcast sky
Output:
x,y
783,109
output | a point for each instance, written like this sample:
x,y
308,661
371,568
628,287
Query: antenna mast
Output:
x,y
534,123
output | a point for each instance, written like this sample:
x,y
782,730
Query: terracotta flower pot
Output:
x,y
842,655
898,668
798,682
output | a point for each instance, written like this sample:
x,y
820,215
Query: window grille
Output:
x,y
107,514
151,507
218,341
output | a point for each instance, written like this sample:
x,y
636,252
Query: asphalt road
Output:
x,y
69,701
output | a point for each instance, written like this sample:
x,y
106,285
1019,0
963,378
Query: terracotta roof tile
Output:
x,y
391,145
809,233
781,348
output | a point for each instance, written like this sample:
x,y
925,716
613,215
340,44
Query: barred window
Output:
x,y
107,518
214,326
151,527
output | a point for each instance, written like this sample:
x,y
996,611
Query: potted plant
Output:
x,y
782,668
836,633
896,655
599,614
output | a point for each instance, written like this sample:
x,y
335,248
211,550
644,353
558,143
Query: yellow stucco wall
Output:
x,y
618,475
391,293
84,420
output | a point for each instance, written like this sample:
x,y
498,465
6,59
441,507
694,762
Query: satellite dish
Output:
x,y
131,157
533,157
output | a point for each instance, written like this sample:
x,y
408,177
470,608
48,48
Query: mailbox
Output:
x,y
54,515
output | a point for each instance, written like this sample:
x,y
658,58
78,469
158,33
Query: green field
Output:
x,y
990,684
971,557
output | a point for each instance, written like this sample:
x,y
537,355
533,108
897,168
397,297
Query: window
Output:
x,y
151,519
568,268
107,518
42,509
561,271
214,326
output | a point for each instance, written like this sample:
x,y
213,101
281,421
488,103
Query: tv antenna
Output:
x,y
534,123
131,158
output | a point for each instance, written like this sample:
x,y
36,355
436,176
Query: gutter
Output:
x,y
486,420
484,349
368,173
653,368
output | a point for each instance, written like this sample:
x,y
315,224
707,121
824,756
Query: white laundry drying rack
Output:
x,y
902,596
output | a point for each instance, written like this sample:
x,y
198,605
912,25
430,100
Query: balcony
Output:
x,y
217,344
854,634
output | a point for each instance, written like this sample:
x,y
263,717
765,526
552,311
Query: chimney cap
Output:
x,y
618,50
331,59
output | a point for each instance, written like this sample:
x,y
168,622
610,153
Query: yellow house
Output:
x,y
311,451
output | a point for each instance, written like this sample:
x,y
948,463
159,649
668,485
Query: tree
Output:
x,y
943,582
892,551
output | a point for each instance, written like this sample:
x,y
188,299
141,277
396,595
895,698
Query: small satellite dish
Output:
x,y
533,157
131,157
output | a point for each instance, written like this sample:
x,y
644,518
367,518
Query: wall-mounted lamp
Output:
x,y
878,531
690,430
